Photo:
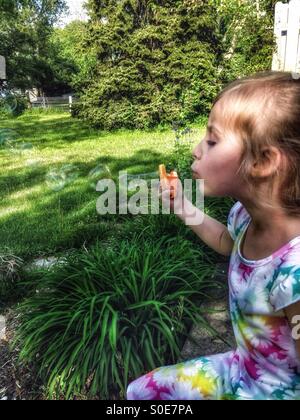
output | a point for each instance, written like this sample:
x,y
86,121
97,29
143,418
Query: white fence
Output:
x,y
63,102
2,68
287,32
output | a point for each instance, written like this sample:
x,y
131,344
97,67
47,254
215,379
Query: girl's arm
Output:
x,y
293,314
210,231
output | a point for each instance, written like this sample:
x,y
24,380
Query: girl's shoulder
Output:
x,y
286,279
284,267
238,217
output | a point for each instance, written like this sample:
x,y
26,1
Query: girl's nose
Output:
x,y
197,152
196,156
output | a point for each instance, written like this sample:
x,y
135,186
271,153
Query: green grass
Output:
x,y
35,218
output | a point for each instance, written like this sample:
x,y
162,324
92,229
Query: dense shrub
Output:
x,y
156,63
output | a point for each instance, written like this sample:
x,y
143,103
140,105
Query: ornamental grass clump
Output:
x,y
10,273
111,313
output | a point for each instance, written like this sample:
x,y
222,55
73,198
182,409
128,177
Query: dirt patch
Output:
x,y
17,381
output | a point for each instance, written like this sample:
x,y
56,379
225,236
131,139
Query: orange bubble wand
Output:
x,y
168,181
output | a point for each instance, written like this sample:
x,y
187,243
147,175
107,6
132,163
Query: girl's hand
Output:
x,y
176,204
182,206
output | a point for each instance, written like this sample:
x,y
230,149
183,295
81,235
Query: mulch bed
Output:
x,y
17,382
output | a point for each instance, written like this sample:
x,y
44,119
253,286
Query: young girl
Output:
x,y
251,152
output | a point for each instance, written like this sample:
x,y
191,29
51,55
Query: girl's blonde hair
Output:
x,y
264,109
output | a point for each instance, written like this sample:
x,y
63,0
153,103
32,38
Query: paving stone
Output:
x,y
216,312
44,263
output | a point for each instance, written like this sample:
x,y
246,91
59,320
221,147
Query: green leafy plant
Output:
x,y
182,158
10,272
112,313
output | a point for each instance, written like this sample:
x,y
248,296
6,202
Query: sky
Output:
x,y
76,12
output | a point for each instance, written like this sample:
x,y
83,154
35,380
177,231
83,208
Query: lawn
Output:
x,y
41,212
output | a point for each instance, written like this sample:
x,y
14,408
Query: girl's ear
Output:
x,y
268,164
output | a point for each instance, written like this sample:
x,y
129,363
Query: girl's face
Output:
x,y
217,158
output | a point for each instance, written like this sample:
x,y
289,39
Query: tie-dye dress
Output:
x,y
265,364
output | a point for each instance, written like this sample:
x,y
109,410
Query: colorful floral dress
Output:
x,y
265,364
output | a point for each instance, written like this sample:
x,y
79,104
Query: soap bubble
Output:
x,y
134,186
8,138
9,141
10,103
58,178
25,146
33,163
149,176
18,148
98,173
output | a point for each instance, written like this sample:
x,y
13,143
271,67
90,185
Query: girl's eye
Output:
x,y
211,143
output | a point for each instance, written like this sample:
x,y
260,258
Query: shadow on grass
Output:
x,y
38,220
55,133
143,161
55,220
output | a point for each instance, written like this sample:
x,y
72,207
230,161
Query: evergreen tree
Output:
x,y
161,61
156,62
